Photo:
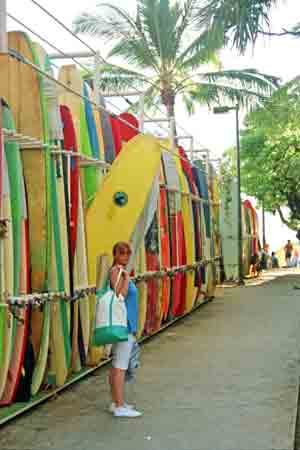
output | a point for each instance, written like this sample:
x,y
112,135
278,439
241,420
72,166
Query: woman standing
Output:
x,y
126,291
288,249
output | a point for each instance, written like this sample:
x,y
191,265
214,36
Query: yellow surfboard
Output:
x,y
117,208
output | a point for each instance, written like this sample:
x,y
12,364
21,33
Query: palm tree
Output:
x,y
242,21
164,46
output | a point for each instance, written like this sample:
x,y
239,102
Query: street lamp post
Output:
x,y
224,110
263,225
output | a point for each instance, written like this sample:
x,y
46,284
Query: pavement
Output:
x,y
224,378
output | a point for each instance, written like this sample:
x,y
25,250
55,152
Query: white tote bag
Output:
x,y
110,317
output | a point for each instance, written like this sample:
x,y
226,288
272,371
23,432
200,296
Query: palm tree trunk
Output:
x,y
168,99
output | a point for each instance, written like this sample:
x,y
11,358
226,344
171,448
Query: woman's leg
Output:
x,y
117,382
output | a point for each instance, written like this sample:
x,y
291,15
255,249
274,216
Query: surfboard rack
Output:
x,y
189,194
52,297
30,143
21,139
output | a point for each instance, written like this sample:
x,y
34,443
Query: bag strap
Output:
x,y
118,280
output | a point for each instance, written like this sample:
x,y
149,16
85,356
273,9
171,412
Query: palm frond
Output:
x,y
151,101
263,84
117,79
203,49
133,52
99,25
218,94
137,32
186,20
241,20
160,20
189,102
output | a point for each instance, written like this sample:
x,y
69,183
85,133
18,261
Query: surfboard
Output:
x,y
248,232
128,133
20,85
189,236
176,231
80,323
153,285
116,133
60,278
91,146
215,208
254,226
6,267
109,146
188,172
201,180
229,230
165,256
119,204
72,175
21,267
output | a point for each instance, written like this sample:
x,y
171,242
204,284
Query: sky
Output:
x,y
276,56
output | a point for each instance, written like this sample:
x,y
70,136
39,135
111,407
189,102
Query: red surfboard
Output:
x,y
128,133
165,250
116,132
70,144
254,237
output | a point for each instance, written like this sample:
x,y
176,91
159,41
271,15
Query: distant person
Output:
x,y
274,261
264,259
295,260
255,265
288,249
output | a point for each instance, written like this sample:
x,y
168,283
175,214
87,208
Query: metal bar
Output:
x,y
3,27
172,134
97,64
156,120
189,194
192,149
184,137
93,164
263,225
71,55
122,94
142,112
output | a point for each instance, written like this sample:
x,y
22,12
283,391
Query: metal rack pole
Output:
x,y
3,27
142,112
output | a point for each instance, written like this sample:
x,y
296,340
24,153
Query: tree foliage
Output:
x,y
242,21
270,153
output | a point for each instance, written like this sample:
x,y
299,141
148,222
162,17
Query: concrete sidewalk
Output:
x,y
224,378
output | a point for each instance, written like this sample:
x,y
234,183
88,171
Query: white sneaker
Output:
x,y
112,407
125,412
